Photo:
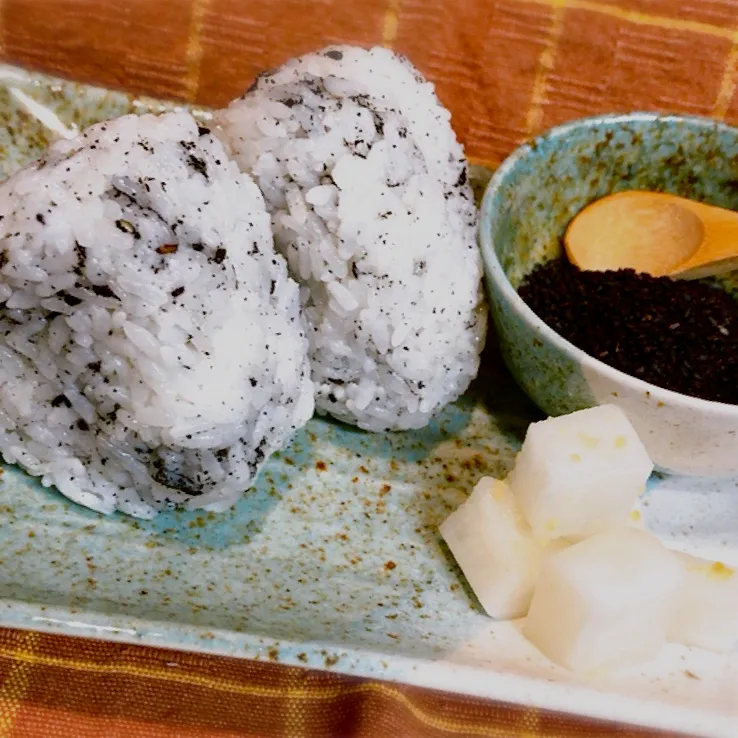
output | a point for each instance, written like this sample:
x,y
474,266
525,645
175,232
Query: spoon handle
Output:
x,y
718,252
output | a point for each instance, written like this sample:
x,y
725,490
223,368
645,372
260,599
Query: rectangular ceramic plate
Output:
x,y
334,560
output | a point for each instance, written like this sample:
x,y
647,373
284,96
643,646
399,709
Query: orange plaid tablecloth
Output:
x,y
507,69
57,686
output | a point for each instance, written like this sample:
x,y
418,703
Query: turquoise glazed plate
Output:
x,y
334,560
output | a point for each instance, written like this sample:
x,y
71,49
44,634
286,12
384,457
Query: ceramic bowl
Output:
x,y
526,207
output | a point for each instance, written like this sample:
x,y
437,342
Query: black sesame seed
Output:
x,y
677,334
127,227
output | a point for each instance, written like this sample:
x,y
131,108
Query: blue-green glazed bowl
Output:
x,y
526,207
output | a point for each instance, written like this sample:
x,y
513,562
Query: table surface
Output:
x,y
507,69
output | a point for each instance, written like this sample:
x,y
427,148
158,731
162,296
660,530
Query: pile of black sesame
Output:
x,y
676,334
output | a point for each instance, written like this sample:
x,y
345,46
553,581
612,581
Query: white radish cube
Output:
x,y
493,546
605,602
706,606
580,474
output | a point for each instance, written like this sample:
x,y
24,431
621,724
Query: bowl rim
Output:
x,y
496,274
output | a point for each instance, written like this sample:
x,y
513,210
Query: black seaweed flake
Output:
x,y
60,400
259,77
83,425
220,255
462,178
378,122
40,218
359,147
178,291
334,54
81,252
102,290
202,131
178,480
198,164
4,259
70,300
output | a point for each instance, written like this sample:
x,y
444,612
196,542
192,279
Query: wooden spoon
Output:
x,y
655,233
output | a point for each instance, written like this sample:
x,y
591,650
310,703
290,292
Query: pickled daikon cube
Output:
x,y
579,474
605,602
494,548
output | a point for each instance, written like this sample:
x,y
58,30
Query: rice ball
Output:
x,y
152,350
370,203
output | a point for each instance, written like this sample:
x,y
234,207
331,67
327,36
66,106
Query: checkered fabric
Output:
x,y
59,686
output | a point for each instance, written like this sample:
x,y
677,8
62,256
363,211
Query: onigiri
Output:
x,y
152,349
368,191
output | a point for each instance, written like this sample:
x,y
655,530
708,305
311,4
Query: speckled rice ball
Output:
x,y
367,188
152,349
